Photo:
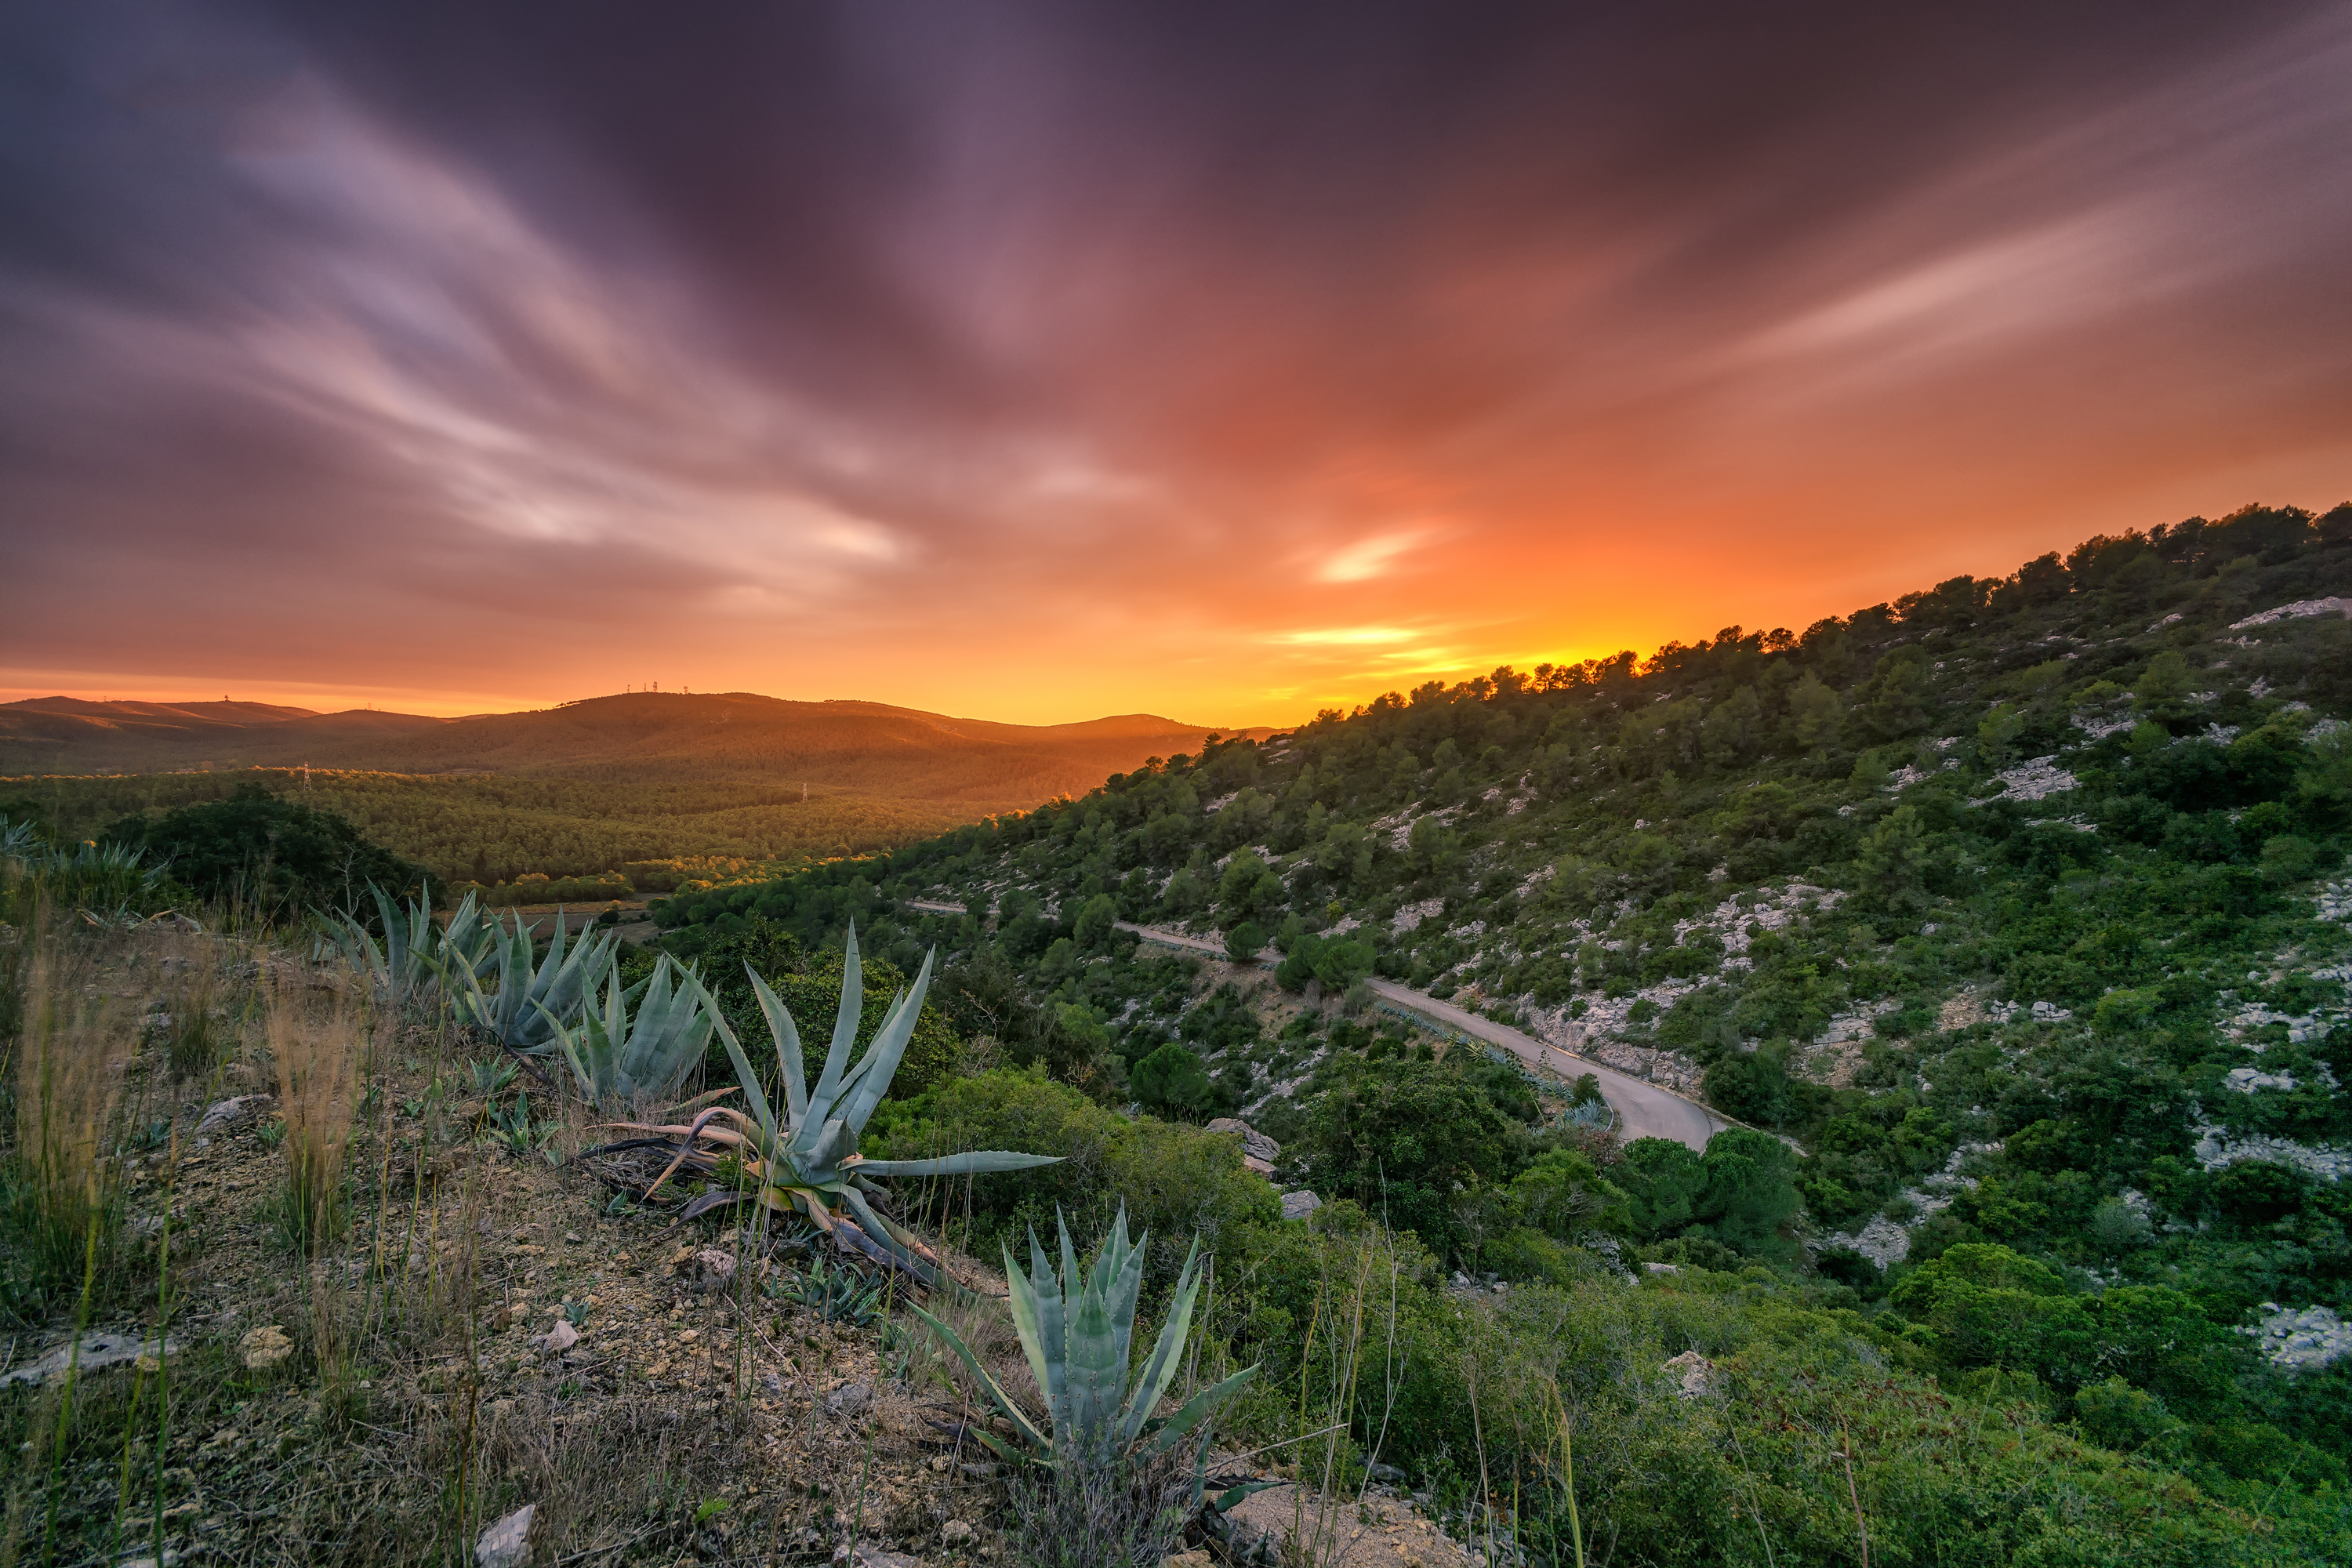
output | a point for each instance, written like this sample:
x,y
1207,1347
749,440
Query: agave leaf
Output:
x,y
978,1163
1004,1402
1199,1408
1038,1319
788,1046
885,1234
750,1080
844,1033
889,1046
1160,1371
1096,1370
708,1201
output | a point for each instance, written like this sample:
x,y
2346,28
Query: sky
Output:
x,y
1037,362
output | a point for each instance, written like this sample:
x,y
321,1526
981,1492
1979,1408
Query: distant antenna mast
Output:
x,y
804,793
305,778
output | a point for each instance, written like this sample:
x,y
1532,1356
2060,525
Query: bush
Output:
x,y
1175,1179
279,856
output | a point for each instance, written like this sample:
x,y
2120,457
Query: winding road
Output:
x,y
1644,1110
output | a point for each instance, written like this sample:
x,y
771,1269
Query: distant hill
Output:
x,y
642,737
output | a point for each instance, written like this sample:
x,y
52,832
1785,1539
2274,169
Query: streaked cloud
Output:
x,y
1036,361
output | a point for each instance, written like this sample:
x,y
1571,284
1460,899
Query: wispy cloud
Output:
x,y
1365,559
1067,359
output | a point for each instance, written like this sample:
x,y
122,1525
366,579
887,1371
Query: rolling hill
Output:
x,y
638,738
675,788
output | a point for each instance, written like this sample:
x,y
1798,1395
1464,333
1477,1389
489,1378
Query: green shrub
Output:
x,y
1175,1180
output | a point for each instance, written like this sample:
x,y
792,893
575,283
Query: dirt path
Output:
x,y
1644,1109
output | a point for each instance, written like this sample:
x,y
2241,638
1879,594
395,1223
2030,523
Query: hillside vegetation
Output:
x,y
655,789
2002,917
498,828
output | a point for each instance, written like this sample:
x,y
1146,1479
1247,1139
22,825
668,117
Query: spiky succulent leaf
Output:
x,y
787,1037
1167,1354
890,1047
979,1163
1004,1402
844,1033
753,1094
1197,1409
1097,1374
1038,1319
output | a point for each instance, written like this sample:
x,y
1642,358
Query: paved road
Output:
x,y
1644,1109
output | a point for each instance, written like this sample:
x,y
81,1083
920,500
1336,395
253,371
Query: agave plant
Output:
x,y
808,1159
98,878
621,1061
530,1002
468,940
1077,1330
838,1294
408,967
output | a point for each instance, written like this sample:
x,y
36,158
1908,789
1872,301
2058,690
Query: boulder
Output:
x,y
1258,1150
99,1348
1299,1204
507,1543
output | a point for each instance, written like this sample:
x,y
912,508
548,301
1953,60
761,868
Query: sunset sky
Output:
x,y
1042,361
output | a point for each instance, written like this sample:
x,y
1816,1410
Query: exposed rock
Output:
x,y
1410,917
2035,780
1662,1268
2215,1148
507,1543
562,1337
2310,1338
2297,611
1299,1204
99,1348
235,1113
1881,1240
851,1399
1258,1150
1697,1373
264,1347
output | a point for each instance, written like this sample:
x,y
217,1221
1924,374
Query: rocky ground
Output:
x,y
492,1329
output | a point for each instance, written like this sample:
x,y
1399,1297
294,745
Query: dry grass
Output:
x,y
200,1039
421,1400
70,1069
315,1032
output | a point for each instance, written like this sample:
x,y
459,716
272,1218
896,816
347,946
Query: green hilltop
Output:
x,y
2000,919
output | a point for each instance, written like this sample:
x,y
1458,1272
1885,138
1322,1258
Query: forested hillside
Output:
x,y
662,788
2004,916
498,827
